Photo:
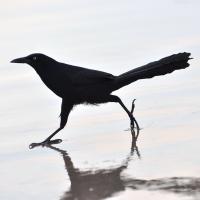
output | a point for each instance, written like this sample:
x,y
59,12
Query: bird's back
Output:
x,y
76,82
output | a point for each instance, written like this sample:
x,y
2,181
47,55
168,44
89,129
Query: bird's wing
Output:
x,y
83,76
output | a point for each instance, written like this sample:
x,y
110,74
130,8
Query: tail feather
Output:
x,y
161,67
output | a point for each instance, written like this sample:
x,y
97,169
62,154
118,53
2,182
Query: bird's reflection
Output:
x,y
95,184
104,183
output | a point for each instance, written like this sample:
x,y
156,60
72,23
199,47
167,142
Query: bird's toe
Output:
x,y
33,145
56,141
45,143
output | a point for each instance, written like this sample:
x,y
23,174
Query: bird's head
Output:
x,y
35,60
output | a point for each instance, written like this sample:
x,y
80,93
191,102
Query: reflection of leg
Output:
x,y
134,147
65,110
63,152
133,150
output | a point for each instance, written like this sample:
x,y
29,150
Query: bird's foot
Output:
x,y
45,143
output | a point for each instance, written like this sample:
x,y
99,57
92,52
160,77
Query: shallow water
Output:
x,y
97,159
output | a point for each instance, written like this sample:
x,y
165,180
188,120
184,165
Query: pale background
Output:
x,y
113,36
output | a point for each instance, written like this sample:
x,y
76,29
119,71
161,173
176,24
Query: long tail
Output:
x,y
161,67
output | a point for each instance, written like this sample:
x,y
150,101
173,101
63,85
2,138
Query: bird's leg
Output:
x,y
133,126
132,110
137,125
65,110
47,141
132,118
133,106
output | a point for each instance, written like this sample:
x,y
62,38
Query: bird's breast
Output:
x,y
57,83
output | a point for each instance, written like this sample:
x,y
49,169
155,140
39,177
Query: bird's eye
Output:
x,y
34,58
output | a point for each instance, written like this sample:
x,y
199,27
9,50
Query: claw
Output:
x,y
33,145
56,141
45,143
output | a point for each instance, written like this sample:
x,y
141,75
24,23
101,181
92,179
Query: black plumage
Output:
x,y
77,85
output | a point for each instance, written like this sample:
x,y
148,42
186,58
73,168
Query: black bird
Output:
x,y
77,85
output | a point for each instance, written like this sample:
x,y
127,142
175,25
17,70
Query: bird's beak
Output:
x,y
20,60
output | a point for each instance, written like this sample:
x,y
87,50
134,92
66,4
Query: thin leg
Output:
x,y
137,126
65,110
54,133
114,98
133,106
133,120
